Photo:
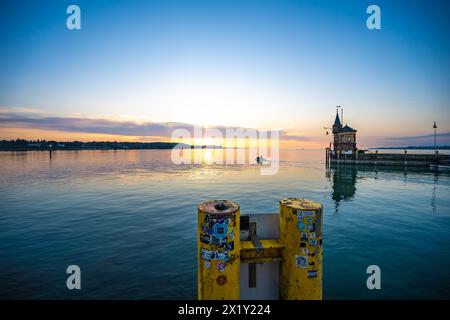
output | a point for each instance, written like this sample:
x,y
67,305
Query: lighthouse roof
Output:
x,y
337,121
346,128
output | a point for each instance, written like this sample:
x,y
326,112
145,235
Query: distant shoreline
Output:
x,y
412,148
85,149
43,145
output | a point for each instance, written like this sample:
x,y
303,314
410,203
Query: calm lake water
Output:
x,y
128,219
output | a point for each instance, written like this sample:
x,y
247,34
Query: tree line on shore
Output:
x,y
21,144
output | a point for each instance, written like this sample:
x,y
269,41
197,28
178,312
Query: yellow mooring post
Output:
x,y
301,235
218,250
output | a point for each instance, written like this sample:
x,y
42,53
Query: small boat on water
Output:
x,y
261,159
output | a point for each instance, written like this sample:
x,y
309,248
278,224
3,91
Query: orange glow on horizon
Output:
x,y
64,136
7,133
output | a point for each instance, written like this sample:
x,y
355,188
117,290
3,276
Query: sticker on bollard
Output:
x,y
301,235
219,245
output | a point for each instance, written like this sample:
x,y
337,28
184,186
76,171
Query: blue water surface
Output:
x,y
128,219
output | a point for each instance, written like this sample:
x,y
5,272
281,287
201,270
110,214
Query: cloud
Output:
x,y
35,120
438,135
87,125
287,135
420,140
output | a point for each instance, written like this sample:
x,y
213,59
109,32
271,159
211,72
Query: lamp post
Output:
x,y
435,145
50,146
435,127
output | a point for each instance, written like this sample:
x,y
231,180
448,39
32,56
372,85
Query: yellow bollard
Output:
x,y
301,234
218,250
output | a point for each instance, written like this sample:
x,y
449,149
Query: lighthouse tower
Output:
x,y
344,137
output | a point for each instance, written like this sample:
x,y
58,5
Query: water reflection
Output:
x,y
343,183
119,211
344,179
433,197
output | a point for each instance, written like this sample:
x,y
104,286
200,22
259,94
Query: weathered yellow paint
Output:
x,y
300,281
270,252
213,282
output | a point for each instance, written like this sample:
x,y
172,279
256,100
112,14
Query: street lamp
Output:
x,y
435,146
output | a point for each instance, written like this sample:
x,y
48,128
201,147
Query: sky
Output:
x,y
138,69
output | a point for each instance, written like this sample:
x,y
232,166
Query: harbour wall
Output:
x,y
391,159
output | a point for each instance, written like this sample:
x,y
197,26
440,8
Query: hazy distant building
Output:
x,y
344,137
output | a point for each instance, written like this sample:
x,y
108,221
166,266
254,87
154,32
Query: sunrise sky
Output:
x,y
138,69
